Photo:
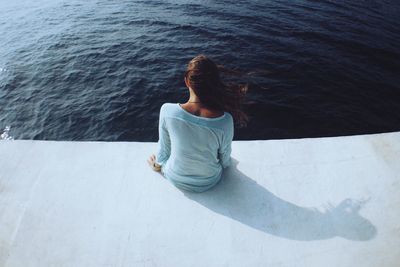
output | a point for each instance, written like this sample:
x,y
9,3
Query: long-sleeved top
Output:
x,y
193,150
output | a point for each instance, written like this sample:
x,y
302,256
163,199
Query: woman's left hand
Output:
x,y
153,164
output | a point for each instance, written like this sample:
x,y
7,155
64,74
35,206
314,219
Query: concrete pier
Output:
x,y
299,202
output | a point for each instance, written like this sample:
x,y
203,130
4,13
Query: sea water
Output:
x,y
100,70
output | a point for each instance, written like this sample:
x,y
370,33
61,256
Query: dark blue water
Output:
x,y
100,70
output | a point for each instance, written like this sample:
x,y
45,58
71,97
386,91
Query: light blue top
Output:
x,y
193,150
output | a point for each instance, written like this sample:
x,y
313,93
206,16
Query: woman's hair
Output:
x,y
203,76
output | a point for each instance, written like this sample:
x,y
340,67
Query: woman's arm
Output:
x,y
224,152
164,141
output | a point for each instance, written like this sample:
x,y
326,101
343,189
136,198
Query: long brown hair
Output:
x,y
203,76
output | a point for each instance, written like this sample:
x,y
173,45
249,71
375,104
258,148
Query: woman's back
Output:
x,y
193,150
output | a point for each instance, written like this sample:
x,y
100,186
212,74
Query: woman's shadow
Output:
x,y
242,199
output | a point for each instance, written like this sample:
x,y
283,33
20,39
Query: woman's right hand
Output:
x,y
152,163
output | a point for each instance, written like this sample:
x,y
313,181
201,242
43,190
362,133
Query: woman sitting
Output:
x,y
195,138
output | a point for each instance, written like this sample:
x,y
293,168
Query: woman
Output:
x,y
195,137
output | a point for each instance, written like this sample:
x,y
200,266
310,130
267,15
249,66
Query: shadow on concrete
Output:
x,y
242,199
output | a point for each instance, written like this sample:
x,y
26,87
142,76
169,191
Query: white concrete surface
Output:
x,y
304,202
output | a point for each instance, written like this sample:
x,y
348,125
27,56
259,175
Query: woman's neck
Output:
x,y
193,98
194,106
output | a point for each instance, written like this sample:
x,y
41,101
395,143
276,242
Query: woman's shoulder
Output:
x,y
229,121
170,110
229,116
167,107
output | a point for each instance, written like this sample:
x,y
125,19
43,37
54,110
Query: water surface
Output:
x,y
100,70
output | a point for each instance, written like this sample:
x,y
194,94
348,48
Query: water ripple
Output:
x,y
100,70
